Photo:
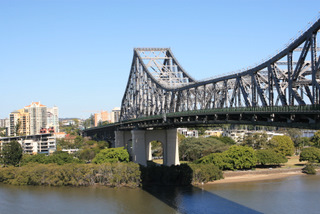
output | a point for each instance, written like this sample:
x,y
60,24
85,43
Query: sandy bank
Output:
x,y
265,174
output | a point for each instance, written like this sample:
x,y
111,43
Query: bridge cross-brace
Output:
x,y
138,144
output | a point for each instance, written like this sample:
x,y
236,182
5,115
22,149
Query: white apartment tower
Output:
x,y
38,117
53,118
115,115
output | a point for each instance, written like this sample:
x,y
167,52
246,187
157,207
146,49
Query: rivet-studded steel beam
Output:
x,y
158,84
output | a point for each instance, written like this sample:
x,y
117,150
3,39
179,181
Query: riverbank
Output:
x,y
258,175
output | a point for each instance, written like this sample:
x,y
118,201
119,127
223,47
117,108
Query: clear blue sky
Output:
x,y
76,54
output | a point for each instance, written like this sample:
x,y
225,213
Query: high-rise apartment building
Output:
x,y
115,115
38,117
53,118
101,117
19,123
33,118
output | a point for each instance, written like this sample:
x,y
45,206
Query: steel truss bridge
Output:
x,y
283,90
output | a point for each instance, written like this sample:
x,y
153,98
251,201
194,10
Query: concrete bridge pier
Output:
x,y
123,139
141,146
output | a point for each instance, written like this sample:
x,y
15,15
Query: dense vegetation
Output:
x,y
112,155
111,166
183,174
310,154
11,153
191,149
270,157
59,158
236,157
109,174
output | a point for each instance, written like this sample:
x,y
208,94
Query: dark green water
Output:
x,y
296,194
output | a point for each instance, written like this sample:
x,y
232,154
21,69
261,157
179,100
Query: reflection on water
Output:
x,y
296,194
195,200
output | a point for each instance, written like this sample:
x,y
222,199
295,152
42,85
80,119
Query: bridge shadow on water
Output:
x,y
191,199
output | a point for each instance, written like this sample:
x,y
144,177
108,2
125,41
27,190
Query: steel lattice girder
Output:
x,y
158,84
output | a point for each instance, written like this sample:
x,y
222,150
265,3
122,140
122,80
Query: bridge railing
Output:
x,y
274,109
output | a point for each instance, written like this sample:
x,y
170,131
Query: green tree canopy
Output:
x,y
310,154
242,157
316,139
270,157
282,144
58,157
191,149
218,159
112,155
236,157
11,153
256,140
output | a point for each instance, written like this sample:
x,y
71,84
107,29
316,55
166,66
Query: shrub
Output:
x,y
309,169
110,174
112,155
203,173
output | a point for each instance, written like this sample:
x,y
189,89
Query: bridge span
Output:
x,y
160,96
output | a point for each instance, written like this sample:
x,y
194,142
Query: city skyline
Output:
x,y
77,54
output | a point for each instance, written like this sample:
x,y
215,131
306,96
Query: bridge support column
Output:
x,y
171,148
119,139
142,147
149,152
139,147
123,139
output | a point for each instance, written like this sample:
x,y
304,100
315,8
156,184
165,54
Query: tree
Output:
x,y
11,153
112,155
294,134
241,157
310,154
270,157
156,148
282,144
218,159
17,128
301,142
256,140
87,154
316,139
191,149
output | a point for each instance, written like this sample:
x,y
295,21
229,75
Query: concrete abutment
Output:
x,y
141,147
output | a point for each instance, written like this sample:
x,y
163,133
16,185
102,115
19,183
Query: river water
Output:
x,y
295,194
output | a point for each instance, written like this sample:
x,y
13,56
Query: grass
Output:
x,y
293,162
158,161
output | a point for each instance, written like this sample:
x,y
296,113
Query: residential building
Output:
x,y
188,133
53,118
101,117
239,134
33,119
38,117
4,123
115,115
34,144
214,133
308,133
68,122
19,123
